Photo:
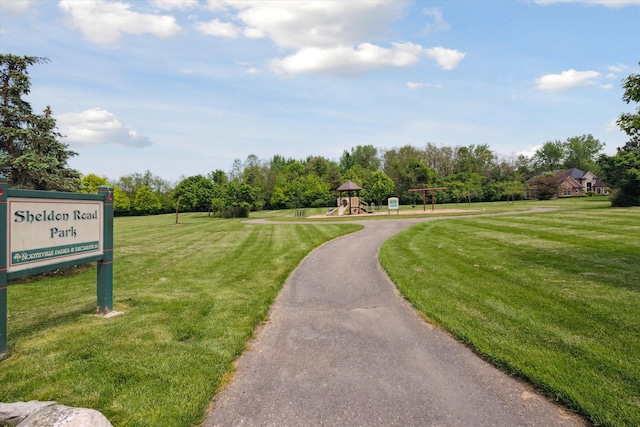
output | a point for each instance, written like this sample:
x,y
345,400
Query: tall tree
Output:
x,y
441,159
623,170
131,183
551,156
194,193
474,159
147,202
31,156
406,169
582,152
363,155
379,187
218,176
630,122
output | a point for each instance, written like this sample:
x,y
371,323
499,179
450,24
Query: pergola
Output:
x,y
348,187
424,196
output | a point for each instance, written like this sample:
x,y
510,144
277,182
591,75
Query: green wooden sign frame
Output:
x,y
104,259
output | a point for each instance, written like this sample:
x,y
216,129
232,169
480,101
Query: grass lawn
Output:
x,y
192,294
551,297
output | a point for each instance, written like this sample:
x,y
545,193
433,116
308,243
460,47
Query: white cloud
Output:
x,y
530,150
606,3
617,68
418,85
439,23
567,80
347,60
329,36
328,23
174,4
15,6
613,126
104,22
446,58
217,28
97,126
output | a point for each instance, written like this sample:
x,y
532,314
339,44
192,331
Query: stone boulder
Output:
x,y
48,414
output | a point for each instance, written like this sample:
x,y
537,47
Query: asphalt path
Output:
x,y
342,348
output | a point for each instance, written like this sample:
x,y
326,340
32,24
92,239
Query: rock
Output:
x,y
14,413
65,416
49,414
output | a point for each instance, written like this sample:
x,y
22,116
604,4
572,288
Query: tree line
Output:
x,y
31,156
470,173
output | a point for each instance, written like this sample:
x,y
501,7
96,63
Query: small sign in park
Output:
x,y
393,204
44,231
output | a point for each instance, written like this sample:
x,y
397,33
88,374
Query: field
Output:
x,y
192,295
553,298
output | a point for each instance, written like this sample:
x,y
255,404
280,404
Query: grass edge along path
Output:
x,y
192,294
552,298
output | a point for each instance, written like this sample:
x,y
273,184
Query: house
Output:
x,y
572,182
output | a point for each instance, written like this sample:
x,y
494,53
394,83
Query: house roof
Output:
x,y
574,173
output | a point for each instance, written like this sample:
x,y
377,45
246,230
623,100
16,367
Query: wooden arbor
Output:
x,y
424,196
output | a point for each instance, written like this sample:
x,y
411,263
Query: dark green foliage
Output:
x,y
622,171
407,169
194,194
31,156
365,156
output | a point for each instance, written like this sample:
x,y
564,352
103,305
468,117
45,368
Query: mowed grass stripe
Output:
x,y
566,226
561,310
192,294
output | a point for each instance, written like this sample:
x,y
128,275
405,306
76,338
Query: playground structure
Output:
x,y
349,205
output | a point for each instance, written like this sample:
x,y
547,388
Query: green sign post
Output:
x,y
44,231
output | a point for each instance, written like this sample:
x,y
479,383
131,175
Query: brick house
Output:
x,y
573,182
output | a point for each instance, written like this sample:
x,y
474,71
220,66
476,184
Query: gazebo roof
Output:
x,y
349,186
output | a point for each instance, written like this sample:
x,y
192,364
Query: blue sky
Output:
x,y
184,87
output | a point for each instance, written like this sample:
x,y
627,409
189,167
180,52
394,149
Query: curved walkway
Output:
x,y
342,348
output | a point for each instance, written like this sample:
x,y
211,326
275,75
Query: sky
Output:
x,y
185,87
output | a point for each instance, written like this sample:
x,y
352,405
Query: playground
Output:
x,y
355,205
384,211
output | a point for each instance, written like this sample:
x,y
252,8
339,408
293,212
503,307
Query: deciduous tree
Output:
x,y
582,153
194,193
623,170
147,202
551,156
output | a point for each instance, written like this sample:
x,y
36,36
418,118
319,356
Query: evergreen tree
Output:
x,y
31,156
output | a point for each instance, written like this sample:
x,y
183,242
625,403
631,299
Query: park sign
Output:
x,y
44,231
